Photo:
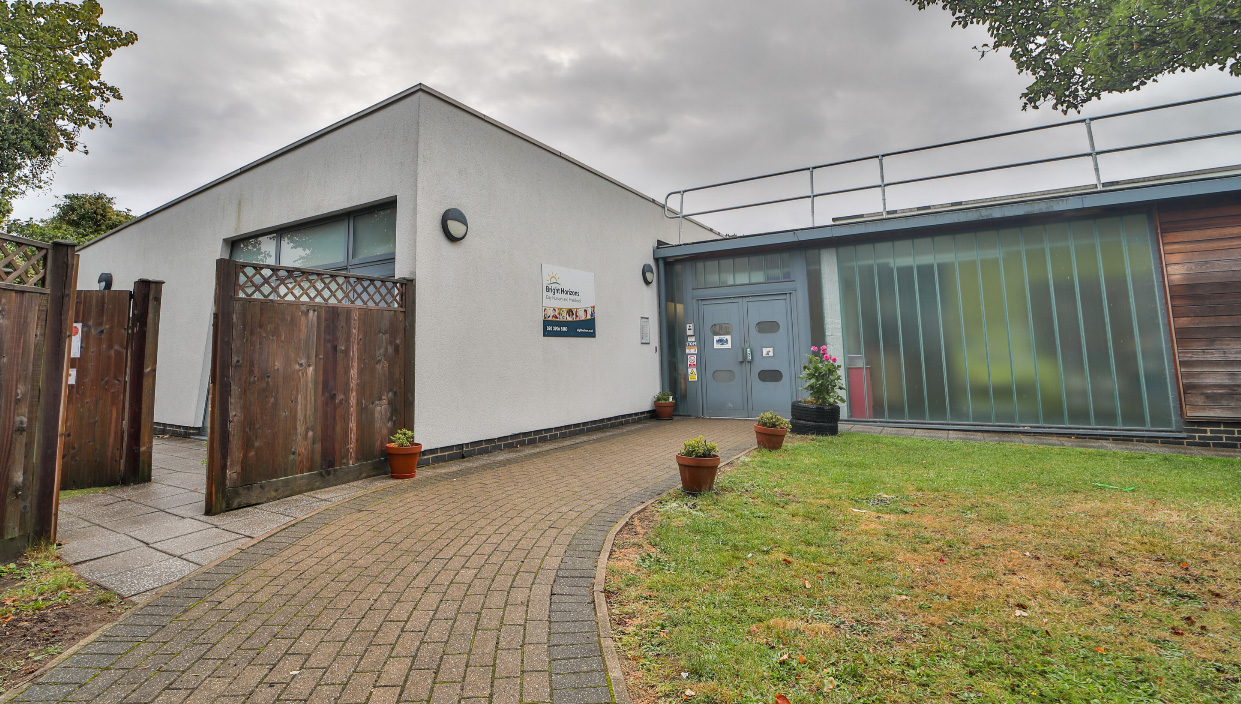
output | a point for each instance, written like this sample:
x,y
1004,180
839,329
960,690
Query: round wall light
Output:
x,y
105,281
454,224
648,274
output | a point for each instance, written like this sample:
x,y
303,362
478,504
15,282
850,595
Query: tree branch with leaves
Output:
x,y
51,55
1077,50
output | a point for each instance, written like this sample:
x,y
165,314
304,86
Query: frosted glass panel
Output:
x,y
1057,324
374,233
314,246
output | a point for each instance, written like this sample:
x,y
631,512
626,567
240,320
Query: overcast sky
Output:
x,y
658,94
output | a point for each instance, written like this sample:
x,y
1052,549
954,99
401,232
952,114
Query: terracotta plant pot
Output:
x,y
663,409
403,461
698,473
770,438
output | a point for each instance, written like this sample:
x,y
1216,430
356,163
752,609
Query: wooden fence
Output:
x,y
37,282
309,377
111,401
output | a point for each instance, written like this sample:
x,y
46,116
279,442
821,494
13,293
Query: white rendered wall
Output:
x,y
484,369
368,160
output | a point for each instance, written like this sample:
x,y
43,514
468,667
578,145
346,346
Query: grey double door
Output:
x,y
746,356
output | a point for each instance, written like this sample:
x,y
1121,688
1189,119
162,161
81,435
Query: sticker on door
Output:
x,y
723,342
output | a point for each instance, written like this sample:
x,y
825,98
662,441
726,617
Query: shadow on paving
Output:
x,y
471,582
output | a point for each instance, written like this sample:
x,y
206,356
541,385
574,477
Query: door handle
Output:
x,y
749,354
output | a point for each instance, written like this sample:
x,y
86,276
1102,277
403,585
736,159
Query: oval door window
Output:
x,y
770,375
723,375
767,327
722,329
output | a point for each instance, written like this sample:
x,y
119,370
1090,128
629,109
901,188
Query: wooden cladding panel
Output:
x,y
311,390
1202,261
95,418
22,319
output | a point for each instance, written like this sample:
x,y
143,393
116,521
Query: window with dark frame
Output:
x,y
361,242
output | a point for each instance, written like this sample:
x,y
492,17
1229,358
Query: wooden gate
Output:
x,y
310,375
37,281
111,402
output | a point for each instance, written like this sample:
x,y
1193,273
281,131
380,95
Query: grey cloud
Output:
x,y
657,94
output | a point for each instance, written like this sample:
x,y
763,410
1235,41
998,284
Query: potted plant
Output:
x,y
819,412
664,405
698,461
403,455
770,430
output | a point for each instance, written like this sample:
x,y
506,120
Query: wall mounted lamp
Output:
x,y
454,224
648,274
105,282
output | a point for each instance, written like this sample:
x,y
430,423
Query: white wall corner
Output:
x,y
832,324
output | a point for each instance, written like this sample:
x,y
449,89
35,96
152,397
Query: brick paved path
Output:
x,y
468,585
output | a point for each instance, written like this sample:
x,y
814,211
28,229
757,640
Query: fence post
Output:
x,y
221,382
62,284
140,381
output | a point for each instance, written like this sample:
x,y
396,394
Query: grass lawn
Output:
x,y
865,568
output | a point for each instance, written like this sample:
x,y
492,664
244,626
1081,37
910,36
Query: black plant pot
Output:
x,y
812,419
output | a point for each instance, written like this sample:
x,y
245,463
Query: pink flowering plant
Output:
x,y
821,374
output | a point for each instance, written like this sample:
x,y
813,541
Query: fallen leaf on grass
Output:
x,y
1100,649
783,657
787,560
781,699
829,683
1177,632
801,659
689,693
1019,612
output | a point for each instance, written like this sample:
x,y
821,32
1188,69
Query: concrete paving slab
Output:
x,y
88,502
190,510
67,523
252,521
172,500
153,528
186,480
148,576
142,556
215,552
92,542
295,506
146,490
101,515
193,542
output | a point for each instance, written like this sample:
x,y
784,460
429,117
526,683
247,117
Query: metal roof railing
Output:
x,y
883,183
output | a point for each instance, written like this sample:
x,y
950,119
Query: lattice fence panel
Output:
x,y
298,286
23,262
